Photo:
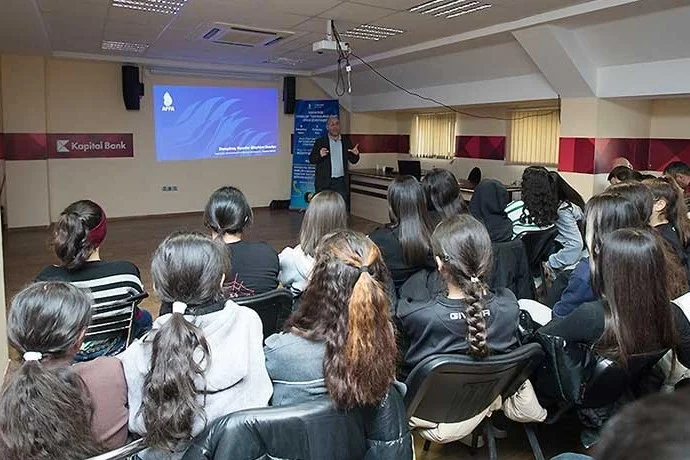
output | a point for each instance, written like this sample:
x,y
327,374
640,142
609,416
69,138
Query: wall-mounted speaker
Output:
x,y
132,88
289,90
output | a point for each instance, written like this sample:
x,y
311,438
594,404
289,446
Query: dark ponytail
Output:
x,y
228,212
46,410
463,245
187,271
70,239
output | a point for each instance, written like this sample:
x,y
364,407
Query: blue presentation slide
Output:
x,y
198,122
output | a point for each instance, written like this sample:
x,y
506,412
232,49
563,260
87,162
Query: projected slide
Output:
x,y
198,122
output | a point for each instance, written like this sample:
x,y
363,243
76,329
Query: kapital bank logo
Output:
x,y
62,146
67,146
167,103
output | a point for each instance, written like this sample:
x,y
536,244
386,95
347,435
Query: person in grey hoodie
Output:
x,y
202,361
326,213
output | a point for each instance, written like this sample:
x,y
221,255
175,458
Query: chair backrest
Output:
x,y
538,245
123,452
273,308
313,430
453,388
610,381
113,319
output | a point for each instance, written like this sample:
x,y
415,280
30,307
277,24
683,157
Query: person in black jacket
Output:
x,y
331,155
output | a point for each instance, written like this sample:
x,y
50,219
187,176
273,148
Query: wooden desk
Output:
x,y
369,199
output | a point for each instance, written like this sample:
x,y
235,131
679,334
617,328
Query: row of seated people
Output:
x,y
347,290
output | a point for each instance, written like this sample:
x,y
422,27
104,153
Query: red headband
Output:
x,y
97,234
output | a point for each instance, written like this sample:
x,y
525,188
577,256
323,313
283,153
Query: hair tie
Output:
x,y
179,307
33,356
474,279
97,234
364,269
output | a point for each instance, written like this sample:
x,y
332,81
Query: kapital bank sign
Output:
x,y
90,145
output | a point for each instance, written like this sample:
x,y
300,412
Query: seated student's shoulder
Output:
x,y
408,307
104,370
52,273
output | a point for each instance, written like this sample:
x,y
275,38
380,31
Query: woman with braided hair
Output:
x,y
467,318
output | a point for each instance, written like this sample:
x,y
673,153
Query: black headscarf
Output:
x,y
488,204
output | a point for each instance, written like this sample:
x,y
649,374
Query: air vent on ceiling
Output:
x,y
239,35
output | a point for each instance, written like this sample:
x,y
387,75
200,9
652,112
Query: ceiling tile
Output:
x,y
398,5
304,7
355,13
71,5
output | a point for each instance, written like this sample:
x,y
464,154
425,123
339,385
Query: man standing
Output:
x,y
331,155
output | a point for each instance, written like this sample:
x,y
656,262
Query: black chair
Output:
x,y
273,308
111,324
539,246
511,269
313,430
454,388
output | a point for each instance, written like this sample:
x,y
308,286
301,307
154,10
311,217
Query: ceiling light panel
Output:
x,y
449,9
372,32
125,47
151,6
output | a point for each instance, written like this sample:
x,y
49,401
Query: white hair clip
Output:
x,y
474,279
179,307
33,356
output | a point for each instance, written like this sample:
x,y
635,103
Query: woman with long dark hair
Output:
x,y
632,315
443,196
326,213
604,213
201,362
405,242
467,318
49,408
77,237
255,265
340,341
538,207
670,215
487,205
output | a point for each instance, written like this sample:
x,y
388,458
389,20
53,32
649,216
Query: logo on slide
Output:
x,y
61,146
167,103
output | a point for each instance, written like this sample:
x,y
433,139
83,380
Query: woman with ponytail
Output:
x,y
340,342
255,265
202,361
670,215
466,319
50,408
77,237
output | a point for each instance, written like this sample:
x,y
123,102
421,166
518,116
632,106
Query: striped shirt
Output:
x,y
108,281
515,211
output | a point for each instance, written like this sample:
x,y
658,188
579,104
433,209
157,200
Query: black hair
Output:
x,y
677,167
46,410
70,233
442,193
188,268
565,193
606,213
228,212
464,247
539,196
639,194
624,174
408,214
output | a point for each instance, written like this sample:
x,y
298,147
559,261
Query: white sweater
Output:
x,y
236,378
295,269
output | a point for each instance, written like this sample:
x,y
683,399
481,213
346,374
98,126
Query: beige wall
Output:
x,y
3,309
70,96
670,118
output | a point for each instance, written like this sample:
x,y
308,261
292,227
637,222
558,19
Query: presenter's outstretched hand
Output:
x,y
323,152
354,150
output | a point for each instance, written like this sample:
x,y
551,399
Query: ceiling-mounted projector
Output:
x,y
329,44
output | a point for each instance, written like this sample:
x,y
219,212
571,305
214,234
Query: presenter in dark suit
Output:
x,y
331,155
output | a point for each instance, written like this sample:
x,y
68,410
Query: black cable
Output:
x,y
434,101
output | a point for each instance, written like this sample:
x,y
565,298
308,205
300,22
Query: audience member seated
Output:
x,y
621,174
340,342
538,207
49,408
680,172
465,319
632,316
643,199
201,362
326,213
621,161
604,214
405,242
77,237
475,176
569,238
670,215
443,196
255,265
487,205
